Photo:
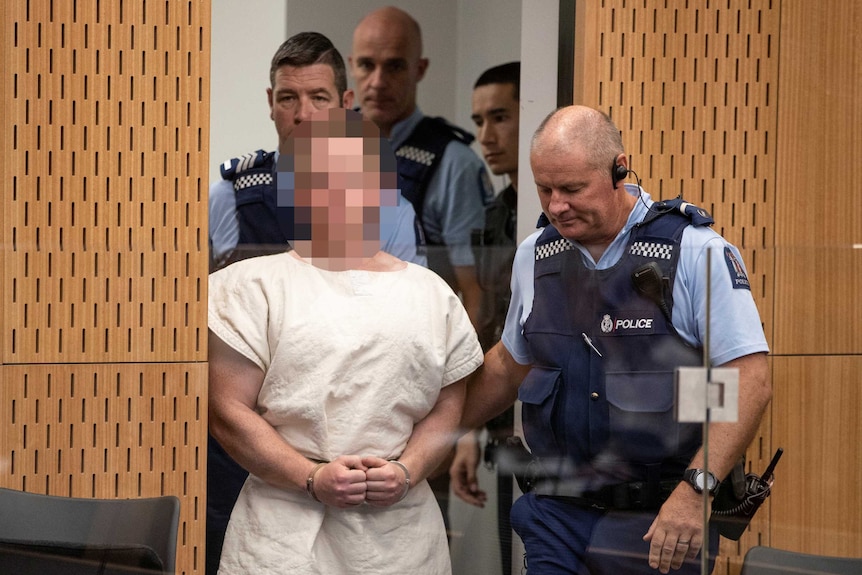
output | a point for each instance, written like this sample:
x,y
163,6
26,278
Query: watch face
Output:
x,y
701,478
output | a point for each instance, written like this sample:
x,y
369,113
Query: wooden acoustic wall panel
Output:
x,y
818,375
104,186
110,431
105,114
817,500
819,273
692,87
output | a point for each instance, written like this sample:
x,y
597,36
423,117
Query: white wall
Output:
x,y
245,35
489,33
540,21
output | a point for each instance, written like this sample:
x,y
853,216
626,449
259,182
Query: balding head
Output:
x,y
391,22
587,128
387,65
572,154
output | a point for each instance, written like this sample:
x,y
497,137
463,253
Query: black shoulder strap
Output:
x,y
655,241
419,156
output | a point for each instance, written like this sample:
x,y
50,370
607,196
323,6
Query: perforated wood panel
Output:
x,y
104,203
692,85
103,165
110,431
692,91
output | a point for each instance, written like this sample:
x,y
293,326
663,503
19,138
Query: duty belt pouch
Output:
x,y
739,497
513,458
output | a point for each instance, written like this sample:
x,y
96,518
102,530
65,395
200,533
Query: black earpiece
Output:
x,y
618,173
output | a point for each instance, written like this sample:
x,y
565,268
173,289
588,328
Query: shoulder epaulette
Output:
x,y
234,167
456,132
426,143
698,216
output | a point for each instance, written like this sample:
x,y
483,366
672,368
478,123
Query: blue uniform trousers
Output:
x,y
564,538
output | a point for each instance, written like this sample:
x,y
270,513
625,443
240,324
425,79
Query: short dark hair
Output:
x,y
306,49
509,73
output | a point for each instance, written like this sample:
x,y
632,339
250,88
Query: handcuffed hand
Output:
x,y
387,482
341,482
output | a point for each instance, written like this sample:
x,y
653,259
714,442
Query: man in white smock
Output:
x,y
336,374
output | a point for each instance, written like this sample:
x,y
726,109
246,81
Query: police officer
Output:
x,y
608,298
437,171
495,112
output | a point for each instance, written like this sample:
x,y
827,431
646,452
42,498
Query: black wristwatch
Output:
x,y
700,480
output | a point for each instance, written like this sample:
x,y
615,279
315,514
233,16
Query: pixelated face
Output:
x,y
340,196
387,66
300,91
495,113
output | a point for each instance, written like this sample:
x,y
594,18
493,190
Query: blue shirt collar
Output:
x,y
402,130
614,251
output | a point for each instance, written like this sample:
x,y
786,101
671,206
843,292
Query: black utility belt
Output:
x,y
630,496
561,480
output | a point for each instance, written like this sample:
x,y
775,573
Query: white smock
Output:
x,y
352,360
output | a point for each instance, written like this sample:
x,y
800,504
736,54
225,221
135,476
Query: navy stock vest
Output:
x,y
418,159
601,390
263,227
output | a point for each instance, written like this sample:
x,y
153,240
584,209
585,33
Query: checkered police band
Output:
x,y
651,250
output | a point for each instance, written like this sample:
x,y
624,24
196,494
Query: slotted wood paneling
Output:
x,y
692,88
104,209
752,116
110,431
105,116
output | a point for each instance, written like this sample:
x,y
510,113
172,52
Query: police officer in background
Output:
x,y
437,171
495,112
608,298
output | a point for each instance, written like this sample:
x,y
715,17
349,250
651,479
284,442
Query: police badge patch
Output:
x,y
737,273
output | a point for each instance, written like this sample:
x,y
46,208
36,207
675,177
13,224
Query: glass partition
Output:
x,y
105,373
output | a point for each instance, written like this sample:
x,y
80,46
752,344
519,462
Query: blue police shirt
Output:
x,y
456,196
735,329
